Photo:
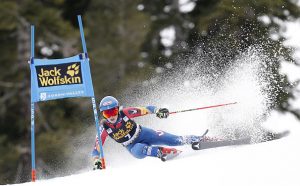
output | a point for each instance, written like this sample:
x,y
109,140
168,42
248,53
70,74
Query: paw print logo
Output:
x,y
73,70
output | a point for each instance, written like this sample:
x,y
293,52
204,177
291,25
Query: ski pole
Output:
x,y
201,108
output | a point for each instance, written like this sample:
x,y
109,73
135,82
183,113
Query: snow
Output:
x,y
168,36
290,69
140,7
46,51
295,102
274,163
265,19
186,6
291,33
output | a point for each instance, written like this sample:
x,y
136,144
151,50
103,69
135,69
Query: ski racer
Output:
x,y
140,141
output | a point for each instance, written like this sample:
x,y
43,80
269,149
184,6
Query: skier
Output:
x,y
138,140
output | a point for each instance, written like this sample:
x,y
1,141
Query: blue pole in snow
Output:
x,y
93,98
33,171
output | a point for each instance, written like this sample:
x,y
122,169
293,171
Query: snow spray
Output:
x,y
198,82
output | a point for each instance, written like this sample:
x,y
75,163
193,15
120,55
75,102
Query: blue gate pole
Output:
x,y
33,170
98,133
93,98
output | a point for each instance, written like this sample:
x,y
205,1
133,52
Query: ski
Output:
x,y
213,144
206,144
209,142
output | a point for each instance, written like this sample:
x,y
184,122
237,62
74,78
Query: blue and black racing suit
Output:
x,y
139,141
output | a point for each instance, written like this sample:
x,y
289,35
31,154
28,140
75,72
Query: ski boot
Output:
x,y
167,153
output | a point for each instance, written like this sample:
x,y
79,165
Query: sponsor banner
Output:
x,y
60,78
62,94
60,74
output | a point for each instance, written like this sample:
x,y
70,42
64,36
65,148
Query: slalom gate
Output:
x,y
61,78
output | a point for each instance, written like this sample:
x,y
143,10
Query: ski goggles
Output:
x,y
111,112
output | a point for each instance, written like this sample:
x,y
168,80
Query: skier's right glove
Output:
x,y
97,164
162,113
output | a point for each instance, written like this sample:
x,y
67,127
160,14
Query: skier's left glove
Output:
x,y
97,165
162,113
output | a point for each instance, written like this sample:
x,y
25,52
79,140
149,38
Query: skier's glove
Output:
x,y
97,165
162,113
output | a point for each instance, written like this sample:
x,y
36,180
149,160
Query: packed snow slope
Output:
x,y
273,163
